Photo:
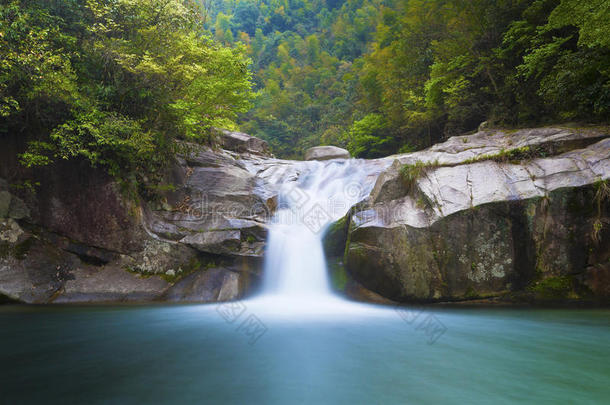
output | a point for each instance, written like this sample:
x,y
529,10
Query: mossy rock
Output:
x,y
553,288
335,238
338,275
18,250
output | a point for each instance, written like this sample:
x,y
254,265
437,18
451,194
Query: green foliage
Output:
x,y
591,18
602,197
368,137
411,172
512,155
115,82
380,75
376,76
338,275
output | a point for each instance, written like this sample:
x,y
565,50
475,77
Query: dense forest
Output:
x,y
117,81
382,76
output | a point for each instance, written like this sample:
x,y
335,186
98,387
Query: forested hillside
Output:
x,y
114,82
381,76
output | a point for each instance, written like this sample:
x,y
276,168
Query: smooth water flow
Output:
x,y
296,277
298,343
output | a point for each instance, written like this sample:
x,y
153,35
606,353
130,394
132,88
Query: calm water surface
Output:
x,y
192,354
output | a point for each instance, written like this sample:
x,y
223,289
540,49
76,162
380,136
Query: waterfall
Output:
x,y
315,195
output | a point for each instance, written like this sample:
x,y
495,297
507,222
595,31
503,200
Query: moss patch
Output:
x,y
410,173
18,251
553,288
5,250
602,196
338,275
335,238
471,293
513,155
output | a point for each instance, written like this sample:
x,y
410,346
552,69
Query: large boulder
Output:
x,y
212,285
109,284
241,142
514,222
87,205
219,207
326,153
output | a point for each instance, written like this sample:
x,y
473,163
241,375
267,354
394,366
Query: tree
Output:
x,y
115,82
245,17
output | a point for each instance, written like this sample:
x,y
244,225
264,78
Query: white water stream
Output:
x,y
295,275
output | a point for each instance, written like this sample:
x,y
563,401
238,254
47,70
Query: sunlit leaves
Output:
x,y
116,81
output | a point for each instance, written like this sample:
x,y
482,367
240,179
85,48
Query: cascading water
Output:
x,y
315,195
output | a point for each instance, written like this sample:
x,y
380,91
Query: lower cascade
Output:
x,y
295,272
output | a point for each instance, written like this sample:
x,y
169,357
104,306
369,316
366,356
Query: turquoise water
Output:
x,y
194,354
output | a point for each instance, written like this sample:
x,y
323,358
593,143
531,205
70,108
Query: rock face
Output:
x,y
241,143
326,153
519,215
79,239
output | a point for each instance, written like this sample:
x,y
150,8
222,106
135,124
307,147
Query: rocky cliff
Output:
x,y
516,215
510,215
78,238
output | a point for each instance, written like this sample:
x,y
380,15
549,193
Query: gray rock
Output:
x,y
87,205
459,149
326,153
241,142
89,234
32,271
484,126
211,285
465,229
159,257
109,284
10,231
461,229
18,209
